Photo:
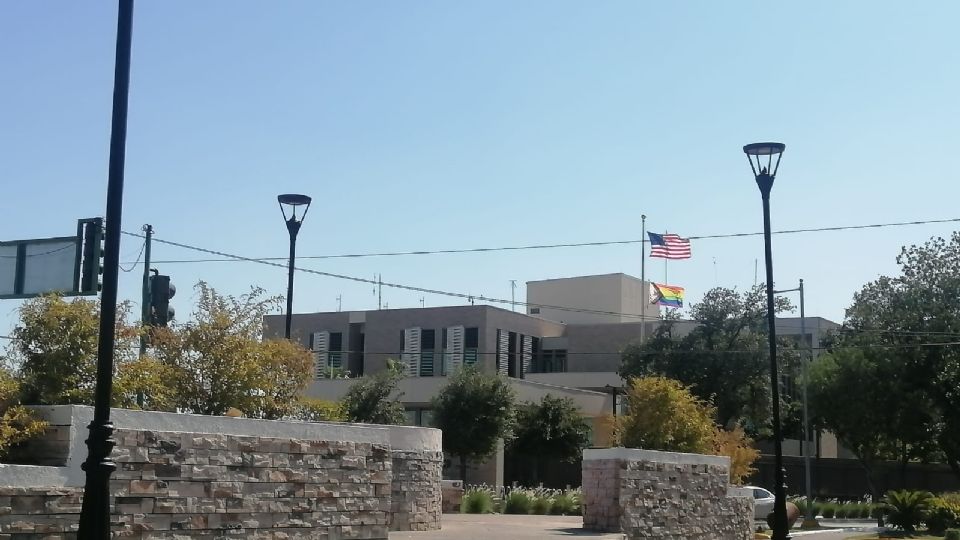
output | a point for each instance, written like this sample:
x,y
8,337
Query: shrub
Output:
x,y
17,423
952,534
542,504
566,504
907,509
477,500
829,510
518,501
944,514
865,510
842,511
876,510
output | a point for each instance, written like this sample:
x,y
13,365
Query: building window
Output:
x,y
534,311
471,346
427,346
551,361
336,350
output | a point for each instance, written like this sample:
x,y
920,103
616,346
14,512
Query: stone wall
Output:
x,y
242,478
665,495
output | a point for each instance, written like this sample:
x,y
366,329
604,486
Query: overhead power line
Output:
x,y
384,283
561,245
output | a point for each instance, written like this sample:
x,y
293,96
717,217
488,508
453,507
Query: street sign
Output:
x,y
68,265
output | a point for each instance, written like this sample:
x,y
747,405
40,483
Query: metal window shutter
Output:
x,y
453,349
503,347
320,344
411,351
526,355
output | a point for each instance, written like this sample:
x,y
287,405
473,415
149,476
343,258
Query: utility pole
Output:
x,y
145,318
513,289
379,291
339,302
423,302
644,289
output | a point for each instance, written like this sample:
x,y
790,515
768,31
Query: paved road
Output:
x,y
508,527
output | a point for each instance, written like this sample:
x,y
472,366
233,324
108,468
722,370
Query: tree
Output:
x,y
850,396
149,380
220,361
474,410
724,359
665,415
55,348
552,430
369,399
17,423
907,326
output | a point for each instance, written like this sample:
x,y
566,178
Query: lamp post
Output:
x,y
764,175
290,202
95,512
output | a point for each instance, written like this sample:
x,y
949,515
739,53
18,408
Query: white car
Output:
x,y
762,502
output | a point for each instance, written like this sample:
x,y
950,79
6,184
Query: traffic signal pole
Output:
x,y
145,301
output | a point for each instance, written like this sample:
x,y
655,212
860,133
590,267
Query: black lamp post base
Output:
x,y
95,512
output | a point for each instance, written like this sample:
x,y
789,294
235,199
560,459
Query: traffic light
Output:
x,y
91,266
161,291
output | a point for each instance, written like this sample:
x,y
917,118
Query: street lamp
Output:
x,y
95,511
757,153
289,202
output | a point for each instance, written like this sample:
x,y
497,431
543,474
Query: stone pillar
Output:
x,y
666,495
417,472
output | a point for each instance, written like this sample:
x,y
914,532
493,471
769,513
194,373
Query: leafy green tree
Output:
x,y
850,396
474,410
221,362
55,349
723,359
146,379
552,430
374,399
906,326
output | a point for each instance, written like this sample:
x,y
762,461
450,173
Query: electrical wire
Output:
x,y
59,249
136,262
564,245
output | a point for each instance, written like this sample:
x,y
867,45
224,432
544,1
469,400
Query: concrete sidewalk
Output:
x,y
505,527
508,527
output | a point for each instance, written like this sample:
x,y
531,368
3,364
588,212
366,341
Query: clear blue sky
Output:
x,y
437,124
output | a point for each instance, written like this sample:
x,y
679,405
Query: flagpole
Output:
x,y
644,289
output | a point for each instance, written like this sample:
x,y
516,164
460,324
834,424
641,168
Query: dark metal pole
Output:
x,y
294,228
145,300
807,358
780,528
95,514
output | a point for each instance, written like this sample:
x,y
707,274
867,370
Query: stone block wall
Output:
x,y
242,479
665,495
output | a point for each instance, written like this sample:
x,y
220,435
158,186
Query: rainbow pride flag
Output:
x,y
666,295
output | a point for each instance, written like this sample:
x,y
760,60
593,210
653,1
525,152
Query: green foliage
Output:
x,y
906,510
518,501
830,510
877,510
842,511
374,399
952,534
944,513
17,423
567,503
318,410
899,322
728,344
542,504
474,410
55,348
665,415
552,430
149,378
477,500
221,361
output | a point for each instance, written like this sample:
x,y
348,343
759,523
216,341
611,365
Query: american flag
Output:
x,y
669,246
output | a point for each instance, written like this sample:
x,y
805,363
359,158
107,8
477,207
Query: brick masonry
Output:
x,y
186,485
669,496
